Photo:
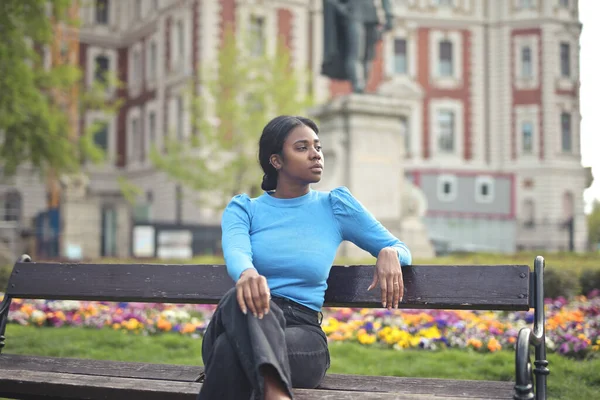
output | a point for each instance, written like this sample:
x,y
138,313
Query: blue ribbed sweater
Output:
x,y
293,242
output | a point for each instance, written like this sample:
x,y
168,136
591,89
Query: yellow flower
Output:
x,y
366,338
116,326
431,333
132,324
330,326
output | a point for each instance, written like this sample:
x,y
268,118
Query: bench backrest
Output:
x,y
489,287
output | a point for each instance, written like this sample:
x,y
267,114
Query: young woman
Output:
x,y
265,336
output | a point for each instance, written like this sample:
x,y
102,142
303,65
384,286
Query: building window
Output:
x,y
108,239
527,135
138,9
137,143
565,60
102,68
446,128
566,134
528,213
526,67
179,117
101,136
151,129
447,187
137,76
180,40
526,3
400,58
484,189
564,3
178,203
152,60
11,204
257,37
102,12
446,65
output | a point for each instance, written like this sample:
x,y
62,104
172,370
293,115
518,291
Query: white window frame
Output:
x,y
522,133
111,152
479,182
455,38
247,10
90,73
457,107
135,114
173,114
411,53
567,82
181,63
152,68
151,108
527,113
520,42
441,181
135,75
439,128
109,16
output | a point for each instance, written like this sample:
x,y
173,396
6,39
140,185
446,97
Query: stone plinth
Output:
x,y
363,147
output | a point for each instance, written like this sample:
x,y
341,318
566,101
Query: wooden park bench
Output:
x,y
494,287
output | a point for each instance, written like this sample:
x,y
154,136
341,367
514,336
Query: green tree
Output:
x,y
33,126
34,121
594,225
236,98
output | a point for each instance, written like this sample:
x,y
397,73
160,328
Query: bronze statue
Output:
x,y
351,32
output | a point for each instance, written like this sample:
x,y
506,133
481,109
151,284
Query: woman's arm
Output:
x,y
360,227
235,239
252,290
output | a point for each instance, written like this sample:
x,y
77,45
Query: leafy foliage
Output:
x,y
33,127
236,100
34,124
594,225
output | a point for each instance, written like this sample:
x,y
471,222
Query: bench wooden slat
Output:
x,y
429,386
186,373
181,373
491,287
39,385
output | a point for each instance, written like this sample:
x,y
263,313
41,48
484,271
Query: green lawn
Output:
x,y
569,379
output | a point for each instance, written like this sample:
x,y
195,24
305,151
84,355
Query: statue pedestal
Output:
x,y
363,149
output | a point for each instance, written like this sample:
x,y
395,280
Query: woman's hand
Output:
x,y
253,293
388,273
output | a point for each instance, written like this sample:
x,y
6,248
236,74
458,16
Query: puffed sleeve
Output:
x,y
235,226
360,227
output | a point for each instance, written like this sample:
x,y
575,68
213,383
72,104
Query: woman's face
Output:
x,y
302,156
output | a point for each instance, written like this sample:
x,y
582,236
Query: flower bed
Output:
x,y
573,327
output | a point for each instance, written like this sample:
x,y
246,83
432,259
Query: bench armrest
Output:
x,y
524,383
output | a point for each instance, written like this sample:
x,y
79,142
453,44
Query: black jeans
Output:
x,y
236,347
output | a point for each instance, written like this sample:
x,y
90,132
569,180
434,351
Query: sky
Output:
x,y
589,15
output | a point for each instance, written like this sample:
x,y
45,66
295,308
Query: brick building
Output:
x,y
491,90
